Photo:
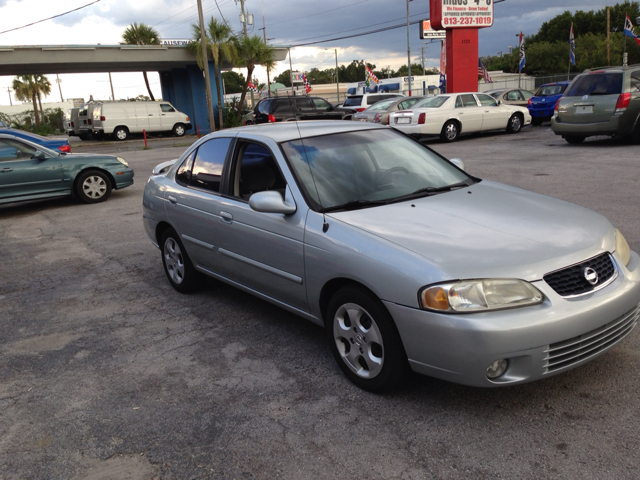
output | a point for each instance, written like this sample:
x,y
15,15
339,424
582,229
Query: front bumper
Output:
x,y
122,175
459,348
615,126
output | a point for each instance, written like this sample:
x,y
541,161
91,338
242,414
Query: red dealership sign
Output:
x,y
447,14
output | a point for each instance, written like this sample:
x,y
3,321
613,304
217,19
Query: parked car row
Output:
x,y
118,120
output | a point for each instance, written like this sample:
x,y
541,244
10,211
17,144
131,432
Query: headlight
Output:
x,y
123,161
479,295
622,247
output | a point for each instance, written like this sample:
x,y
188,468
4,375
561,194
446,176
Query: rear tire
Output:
x,y
574,140
450,131
364,340
120,133
177,264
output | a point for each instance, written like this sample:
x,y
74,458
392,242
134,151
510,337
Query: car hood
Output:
x,y
489,230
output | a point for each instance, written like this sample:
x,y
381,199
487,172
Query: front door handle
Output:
x,y
6,169
172,200
226,217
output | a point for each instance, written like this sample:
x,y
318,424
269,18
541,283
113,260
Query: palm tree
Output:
x,y
218,36
44,88
25,89
251,51
141,35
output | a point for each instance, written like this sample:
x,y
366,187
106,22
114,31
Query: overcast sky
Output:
x,y
287,23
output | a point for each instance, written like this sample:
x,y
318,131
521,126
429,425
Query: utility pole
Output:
x,y
608,36
291,72
113,97
408,49
337,84
205,61
243,19
9,92
264,31
58,81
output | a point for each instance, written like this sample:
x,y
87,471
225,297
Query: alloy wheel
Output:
x,y
173,260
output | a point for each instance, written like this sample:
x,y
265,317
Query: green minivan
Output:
x,y
603,101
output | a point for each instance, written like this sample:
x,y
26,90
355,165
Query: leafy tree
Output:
x,y
218,36
44,88
284,78
233,81
416,69
141,35
251,51
26,87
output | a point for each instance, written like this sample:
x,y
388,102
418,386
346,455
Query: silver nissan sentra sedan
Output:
x,y
407,261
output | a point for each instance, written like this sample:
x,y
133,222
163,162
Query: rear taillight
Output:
x,y
89,121
388,119
102,119
421,118
72,124
623,102
376,119
555,109
271,118
361,109
65,148
529,103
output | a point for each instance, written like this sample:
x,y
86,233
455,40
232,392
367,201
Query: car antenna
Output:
x,y
325,225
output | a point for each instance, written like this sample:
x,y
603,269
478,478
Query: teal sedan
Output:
x,y
30,172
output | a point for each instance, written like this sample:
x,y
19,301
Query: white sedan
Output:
x,y
449,115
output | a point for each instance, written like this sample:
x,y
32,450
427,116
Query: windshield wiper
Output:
x,y
354,205
446,188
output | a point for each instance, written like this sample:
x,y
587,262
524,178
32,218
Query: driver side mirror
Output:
x,y
499,102
39,155
458,163
271,202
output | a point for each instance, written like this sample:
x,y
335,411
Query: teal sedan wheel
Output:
x,y
93,186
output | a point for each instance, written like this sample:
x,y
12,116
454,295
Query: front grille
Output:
x,y
571,281
569,352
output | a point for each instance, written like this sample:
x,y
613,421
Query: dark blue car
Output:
x,y
51,143
542,103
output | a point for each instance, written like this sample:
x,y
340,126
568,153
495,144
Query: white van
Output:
x,y
85,121
72,125
120,119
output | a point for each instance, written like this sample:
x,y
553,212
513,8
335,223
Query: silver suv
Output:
x,y
603,101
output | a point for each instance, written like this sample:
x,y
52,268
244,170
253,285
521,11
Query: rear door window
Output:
x,y
635,82
468,100
282,106
606,83
208,164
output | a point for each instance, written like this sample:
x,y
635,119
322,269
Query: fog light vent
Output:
x,y
497,368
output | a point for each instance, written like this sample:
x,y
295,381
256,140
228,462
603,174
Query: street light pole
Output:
x,y
408,50
205,61
335,50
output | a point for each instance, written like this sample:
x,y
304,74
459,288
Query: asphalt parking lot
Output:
x,y
106,372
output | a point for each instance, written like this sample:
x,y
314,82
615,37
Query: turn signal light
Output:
x,y
65,148
271,118
623,102
435,298
421,118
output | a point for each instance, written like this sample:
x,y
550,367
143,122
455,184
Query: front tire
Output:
x,y
93,186
574,140
515,123
179,130
177,264
450,131
364,340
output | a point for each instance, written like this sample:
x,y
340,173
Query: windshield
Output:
x,y
550,90
382,105
432,102
379,165
596,84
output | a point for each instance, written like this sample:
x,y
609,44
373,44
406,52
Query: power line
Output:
x,y
50,18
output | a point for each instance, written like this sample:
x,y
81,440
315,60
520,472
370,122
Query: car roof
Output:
x,y
286,131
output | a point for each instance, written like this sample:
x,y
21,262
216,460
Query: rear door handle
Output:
x,y
172,200
226,217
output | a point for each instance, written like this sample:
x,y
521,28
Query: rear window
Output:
x,y
550,90
609,83
383,105
352,101
263,106
432,102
